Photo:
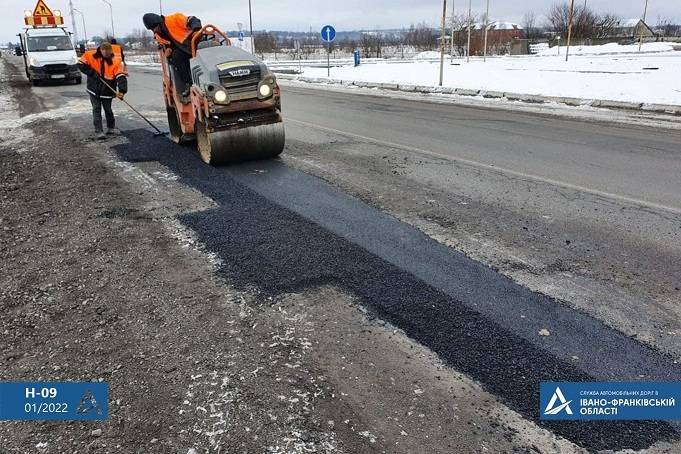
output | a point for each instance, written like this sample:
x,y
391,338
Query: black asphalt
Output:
x,y
279,231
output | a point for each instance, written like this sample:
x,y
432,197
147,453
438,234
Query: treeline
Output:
x,y
587,24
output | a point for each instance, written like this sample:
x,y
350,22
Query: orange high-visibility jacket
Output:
x,y
94,66
118,51
119,56
178,27
178,30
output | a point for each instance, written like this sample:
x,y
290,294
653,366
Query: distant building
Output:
x,y
500,34
631,29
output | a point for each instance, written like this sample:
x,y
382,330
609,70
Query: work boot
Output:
x,y
100,135
113,132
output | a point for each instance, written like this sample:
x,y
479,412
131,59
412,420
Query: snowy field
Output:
x,y
609,72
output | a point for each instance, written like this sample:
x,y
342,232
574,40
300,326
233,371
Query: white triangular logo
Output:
x,y
552,409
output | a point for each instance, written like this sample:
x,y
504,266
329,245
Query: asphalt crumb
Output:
x,y
266,247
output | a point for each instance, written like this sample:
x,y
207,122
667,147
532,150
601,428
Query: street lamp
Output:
x,y
73,22
451,41
160,7
250,18
645,13
442,40
470,24
82,17
569,34
484,55
113,32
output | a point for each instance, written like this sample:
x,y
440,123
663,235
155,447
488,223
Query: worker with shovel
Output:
x,y
106,79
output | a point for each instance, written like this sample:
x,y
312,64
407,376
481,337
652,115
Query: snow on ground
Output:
x,y
650,77
427,55
611,49
142,59
608,72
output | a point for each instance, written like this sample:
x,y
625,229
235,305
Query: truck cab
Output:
x,y
49,55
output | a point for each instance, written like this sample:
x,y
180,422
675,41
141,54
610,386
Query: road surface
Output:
x,y
403,239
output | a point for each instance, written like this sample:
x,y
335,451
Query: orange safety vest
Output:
x,y
117,51
118,56
105,70
176,24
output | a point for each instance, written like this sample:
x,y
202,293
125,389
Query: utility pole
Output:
x,y
470,24
484,55
451,40
442,40
569,36
73,23
113,32
250,18
160,7
82,16
645,13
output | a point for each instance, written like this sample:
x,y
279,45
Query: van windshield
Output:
x,y
49,43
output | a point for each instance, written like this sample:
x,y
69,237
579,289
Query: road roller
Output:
x,y
232,110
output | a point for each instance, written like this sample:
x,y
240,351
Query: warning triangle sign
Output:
x,y
41,9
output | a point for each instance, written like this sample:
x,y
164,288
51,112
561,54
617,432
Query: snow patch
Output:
x,y
650,77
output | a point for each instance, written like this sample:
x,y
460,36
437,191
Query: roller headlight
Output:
x,y
220,96
265,91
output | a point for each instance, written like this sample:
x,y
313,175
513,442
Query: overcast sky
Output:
x,y
300,15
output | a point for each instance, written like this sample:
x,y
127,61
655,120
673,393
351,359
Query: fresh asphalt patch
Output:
x,y
278,231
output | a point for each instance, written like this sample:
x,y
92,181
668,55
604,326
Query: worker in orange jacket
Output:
x,y
106,80
174,34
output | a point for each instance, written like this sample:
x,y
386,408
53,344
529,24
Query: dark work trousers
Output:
x,y
97,105
180,60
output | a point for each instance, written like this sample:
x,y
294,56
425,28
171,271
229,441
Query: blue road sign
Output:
x,y
241,36
328,33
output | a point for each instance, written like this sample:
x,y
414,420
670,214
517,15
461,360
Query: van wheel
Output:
x,y
78,80
35,82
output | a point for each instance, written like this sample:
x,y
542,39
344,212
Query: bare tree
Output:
x,y
266,42
529,24
421,37
371,43
607,23
666,26
142,38
586,23
460,34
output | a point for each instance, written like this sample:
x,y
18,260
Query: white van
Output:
x,y
49,55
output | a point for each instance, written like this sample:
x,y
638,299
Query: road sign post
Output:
x,y
328,35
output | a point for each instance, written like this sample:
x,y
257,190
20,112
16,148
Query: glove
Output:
x,y
120,95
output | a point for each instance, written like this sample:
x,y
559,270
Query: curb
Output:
x,y
517,97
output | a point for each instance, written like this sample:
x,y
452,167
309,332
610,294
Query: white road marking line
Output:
x,y
482,165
